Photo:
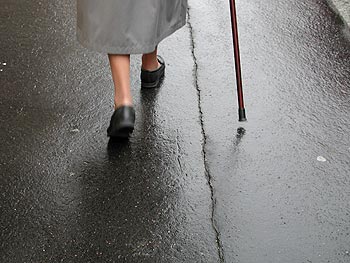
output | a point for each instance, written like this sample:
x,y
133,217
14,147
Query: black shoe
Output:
x,y
151,79
122,122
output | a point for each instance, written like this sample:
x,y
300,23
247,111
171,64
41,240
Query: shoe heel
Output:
x,y
123,132
122,122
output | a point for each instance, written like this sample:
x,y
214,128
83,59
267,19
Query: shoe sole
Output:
x,y
123,132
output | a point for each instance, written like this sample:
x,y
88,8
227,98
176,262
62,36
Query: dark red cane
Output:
x,y
241,110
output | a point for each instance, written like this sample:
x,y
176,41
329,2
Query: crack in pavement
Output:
x,y
206,168
178,150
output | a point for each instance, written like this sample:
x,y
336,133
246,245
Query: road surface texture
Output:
x,y
192,184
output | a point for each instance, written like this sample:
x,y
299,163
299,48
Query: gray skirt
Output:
x,y
127,26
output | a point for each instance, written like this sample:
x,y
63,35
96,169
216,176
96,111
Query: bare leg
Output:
x,y
150,61
120,67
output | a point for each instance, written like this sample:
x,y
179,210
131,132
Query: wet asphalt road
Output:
x,y
193,184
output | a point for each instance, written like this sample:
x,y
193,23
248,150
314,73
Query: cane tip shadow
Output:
x,y
240,134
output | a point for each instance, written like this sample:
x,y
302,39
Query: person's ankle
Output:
x,y
151,67
119,103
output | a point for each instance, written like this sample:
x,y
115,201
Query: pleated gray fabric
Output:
x,y
128,26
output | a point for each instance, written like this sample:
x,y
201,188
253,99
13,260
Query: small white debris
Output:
x,y
321,159
4,63
75,130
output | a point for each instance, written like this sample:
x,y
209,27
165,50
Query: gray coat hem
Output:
x,y
136,49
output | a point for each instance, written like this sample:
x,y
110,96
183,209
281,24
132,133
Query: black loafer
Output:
x,y
122,122
151,79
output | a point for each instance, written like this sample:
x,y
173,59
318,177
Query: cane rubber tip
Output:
x,y
241,114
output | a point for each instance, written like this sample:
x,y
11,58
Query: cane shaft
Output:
x,y
237,59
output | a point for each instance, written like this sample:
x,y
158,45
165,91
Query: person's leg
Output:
x,y
120,67
150,61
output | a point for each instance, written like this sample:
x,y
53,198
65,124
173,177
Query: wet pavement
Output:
x,y
192,184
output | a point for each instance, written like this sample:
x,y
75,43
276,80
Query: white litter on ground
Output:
x,y
321,159
4,64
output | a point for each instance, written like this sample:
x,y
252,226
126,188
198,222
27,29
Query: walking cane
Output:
x,y
241,110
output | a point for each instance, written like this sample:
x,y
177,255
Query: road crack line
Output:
x,y
206,168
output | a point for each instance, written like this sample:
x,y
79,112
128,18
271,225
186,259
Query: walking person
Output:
x,y
123,27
